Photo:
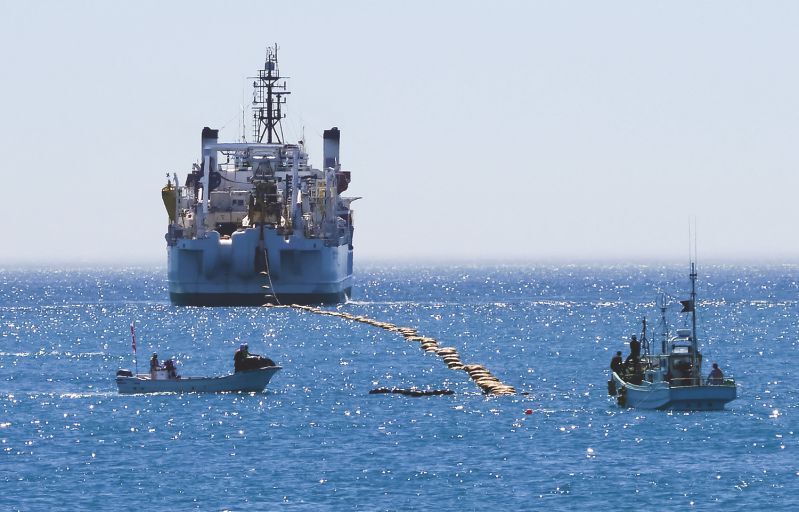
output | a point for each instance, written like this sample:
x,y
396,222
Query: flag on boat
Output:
x,y
687,306
133,336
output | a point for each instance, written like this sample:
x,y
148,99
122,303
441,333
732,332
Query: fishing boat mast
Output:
x,y
663,325
694,344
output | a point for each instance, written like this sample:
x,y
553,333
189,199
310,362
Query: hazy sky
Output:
x,y
536,131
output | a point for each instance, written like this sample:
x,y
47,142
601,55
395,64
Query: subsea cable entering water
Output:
x,y
490,384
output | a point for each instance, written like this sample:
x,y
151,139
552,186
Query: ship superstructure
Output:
x,y
254,222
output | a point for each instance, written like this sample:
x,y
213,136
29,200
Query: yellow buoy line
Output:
x,y
490,384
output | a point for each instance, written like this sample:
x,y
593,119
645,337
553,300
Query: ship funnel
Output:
x,y
331,138
209,136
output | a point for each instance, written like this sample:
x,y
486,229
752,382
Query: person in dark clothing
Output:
x,y
635,347
716,377
171,370
617,363
635,351
239,357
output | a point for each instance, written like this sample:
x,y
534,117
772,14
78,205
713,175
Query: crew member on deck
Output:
x,y
716,377
617,363
171,370
154,366
635,351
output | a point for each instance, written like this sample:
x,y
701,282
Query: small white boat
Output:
x,y
246,380
672,379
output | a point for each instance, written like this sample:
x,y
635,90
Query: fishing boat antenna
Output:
x,y
694,343
133,343
692,304
269,91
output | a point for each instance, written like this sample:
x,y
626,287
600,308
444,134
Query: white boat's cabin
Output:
x,y
684,366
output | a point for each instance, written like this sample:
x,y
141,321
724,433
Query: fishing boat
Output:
x,y
254,222
673,378
160,382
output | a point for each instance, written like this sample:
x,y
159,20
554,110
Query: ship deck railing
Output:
x,y
695,381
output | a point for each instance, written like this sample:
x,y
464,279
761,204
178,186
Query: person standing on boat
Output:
x,y
716,377
154,366
635,351
169,366
617,363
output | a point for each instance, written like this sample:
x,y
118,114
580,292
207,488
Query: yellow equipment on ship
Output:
x,y
170,197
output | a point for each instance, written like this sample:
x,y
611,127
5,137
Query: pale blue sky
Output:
x,y
556,131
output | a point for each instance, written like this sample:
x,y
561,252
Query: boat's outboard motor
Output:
x,y
255,362
124,373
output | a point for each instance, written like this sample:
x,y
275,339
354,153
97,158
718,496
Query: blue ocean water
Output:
x,y
316,440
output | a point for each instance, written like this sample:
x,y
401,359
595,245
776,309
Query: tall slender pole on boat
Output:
x,y
135,354
694,343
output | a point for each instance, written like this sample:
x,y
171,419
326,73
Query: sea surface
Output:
x,y
317,440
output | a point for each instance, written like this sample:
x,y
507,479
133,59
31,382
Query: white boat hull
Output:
x,y
661,395
247,381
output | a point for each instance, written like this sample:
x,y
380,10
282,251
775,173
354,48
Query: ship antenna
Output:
x,y
268,99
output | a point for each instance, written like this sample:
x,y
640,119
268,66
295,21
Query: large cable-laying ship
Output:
x,y
254,222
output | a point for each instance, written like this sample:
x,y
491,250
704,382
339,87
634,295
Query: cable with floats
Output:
x,y
490,384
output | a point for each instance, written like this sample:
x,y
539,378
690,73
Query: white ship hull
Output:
x,y
253,381
661,395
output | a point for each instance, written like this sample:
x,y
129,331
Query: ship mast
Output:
x,y
267,100
693,315
694,343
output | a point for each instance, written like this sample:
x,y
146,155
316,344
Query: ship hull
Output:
x,y
246,381
257,299
227,272
661,396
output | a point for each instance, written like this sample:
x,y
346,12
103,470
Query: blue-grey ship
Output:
x,y
254,222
